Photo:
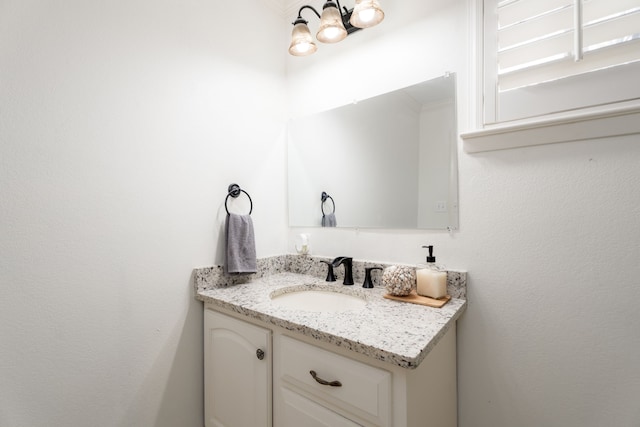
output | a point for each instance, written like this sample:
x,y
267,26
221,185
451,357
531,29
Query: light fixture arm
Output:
x,y
300,18
346,16
346,11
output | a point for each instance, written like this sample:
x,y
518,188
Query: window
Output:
x,y
550,56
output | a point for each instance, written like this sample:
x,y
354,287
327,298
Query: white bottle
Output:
x,y
431,278
303,241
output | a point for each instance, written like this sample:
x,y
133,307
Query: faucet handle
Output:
x,y
367,276
331,277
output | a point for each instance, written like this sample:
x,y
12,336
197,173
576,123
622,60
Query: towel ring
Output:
x,y
324,198
234,191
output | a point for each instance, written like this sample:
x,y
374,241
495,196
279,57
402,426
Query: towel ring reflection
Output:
x,y
324,198
234,191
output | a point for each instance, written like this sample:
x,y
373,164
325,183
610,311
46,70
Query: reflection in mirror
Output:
x,y
388,162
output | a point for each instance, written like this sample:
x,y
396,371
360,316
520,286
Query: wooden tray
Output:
x,y
414,298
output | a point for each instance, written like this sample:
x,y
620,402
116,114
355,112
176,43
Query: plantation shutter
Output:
x,y
550,56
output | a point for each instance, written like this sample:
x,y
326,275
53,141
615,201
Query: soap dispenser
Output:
x,y
431,278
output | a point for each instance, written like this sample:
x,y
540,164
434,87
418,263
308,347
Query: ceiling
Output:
x,y
289,8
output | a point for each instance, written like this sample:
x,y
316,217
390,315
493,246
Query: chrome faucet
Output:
x,y
348,268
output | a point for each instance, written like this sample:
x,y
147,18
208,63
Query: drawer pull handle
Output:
x,y
260,354
325,382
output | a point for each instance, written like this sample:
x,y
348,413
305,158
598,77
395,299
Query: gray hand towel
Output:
x,y
329,220
241,245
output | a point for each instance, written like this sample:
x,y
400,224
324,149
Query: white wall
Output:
x,y
121,126
549,235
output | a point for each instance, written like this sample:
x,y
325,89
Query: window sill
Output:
x,y
614,121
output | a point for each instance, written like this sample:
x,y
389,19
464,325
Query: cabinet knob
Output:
x,y
260,354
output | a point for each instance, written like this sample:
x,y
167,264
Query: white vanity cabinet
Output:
x,y
346,388
237,372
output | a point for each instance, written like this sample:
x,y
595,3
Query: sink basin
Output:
x,y
317,300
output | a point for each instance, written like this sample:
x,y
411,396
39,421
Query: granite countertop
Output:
x,y
395,332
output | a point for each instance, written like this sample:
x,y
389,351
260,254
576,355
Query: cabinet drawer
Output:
x,y
300,411
365,391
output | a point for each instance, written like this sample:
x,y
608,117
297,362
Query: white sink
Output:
x,y
319,300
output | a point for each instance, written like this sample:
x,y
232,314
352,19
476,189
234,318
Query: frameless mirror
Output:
x,y
385,162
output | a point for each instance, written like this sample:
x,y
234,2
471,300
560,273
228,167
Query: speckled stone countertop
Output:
x,y
395,332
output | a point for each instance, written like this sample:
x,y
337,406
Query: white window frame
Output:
x,y
572,124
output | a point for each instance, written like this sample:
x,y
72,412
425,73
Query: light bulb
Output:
x,y
331,33
331,28
302,49
301,42
366,13
366,16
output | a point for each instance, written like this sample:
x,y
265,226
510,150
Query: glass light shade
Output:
x,y
331,28
301,41
366,13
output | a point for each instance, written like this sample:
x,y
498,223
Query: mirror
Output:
x,y
385,162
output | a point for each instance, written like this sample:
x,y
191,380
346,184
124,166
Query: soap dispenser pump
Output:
x,y
431,278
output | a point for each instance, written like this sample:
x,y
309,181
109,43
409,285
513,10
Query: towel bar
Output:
x,y
234,191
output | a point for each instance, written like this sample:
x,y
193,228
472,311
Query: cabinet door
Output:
x,y
237,372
